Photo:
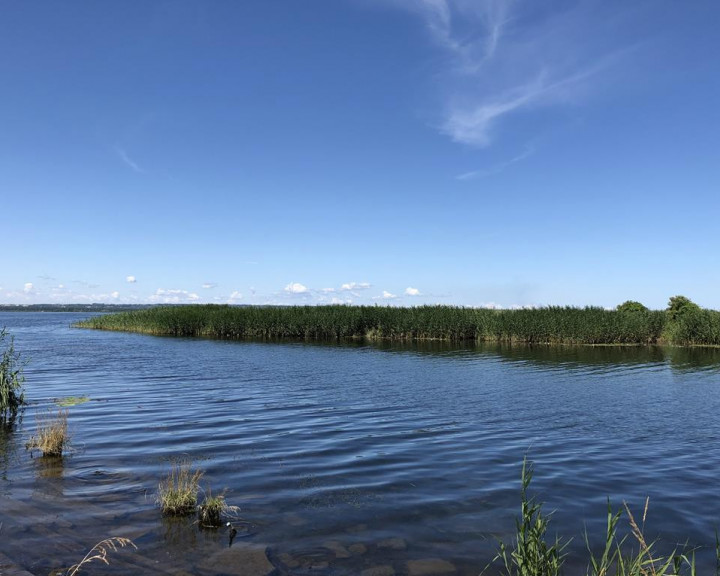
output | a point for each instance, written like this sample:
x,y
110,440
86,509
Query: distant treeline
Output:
x,y
682,323
72,307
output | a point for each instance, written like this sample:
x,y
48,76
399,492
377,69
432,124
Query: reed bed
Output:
x,y
548,325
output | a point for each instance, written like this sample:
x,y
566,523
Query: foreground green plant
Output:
x,y
52,435
530,554
617,560
12,395
177,493
100,552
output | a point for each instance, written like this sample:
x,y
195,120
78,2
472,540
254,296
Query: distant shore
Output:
x,y
688,325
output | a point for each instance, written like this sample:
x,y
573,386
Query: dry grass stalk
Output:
x,y
52,433
100,552
177,494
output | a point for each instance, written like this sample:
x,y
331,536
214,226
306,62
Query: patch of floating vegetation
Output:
x,y
69,401
683,323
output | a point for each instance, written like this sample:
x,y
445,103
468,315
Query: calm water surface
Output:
x,y
347,458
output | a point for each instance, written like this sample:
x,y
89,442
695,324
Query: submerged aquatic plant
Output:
x,y
177,493
12,395
52,435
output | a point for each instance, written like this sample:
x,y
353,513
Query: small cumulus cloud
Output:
x,y
295,288
209,285
409,291
355,286
234,297
28,288
115,294
385,296
131,280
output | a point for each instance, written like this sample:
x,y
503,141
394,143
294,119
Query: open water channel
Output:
x,y
352,459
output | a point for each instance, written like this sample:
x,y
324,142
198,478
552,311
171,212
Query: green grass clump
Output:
x,y
52,435
12,395
177,493
214,509
530,554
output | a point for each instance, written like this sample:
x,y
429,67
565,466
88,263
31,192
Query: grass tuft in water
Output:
x,y
52,436
177,493
214,509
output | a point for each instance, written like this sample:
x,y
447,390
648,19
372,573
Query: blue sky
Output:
x,y
472,152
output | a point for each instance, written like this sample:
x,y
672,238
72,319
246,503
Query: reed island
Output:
x,y
683,323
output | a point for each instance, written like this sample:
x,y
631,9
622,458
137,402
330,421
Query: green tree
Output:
x,y
12,395
631,306
679,306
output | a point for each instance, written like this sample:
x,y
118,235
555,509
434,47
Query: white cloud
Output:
x,y
327,290
28,288
355,286
234,297
503,56
385,296
115,294
295,288
209,285
412,291
131,279
336,300
173,296
496,169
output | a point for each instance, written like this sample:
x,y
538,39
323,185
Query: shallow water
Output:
x,y
348,457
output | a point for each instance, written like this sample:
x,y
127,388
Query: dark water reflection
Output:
x,y
348,457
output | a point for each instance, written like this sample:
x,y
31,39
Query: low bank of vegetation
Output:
x,y
683,323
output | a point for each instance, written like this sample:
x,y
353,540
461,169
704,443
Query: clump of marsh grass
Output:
x,y
530,554
12,395
213,509
52,435
100,552
615,560
177,493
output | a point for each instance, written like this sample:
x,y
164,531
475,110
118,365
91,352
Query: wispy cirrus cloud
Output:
x,y
506,56
497,168
129,162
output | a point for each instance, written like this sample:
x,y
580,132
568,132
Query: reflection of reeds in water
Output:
x,y
50,467
179,532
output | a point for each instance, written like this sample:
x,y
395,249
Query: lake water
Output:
x,y
383,458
